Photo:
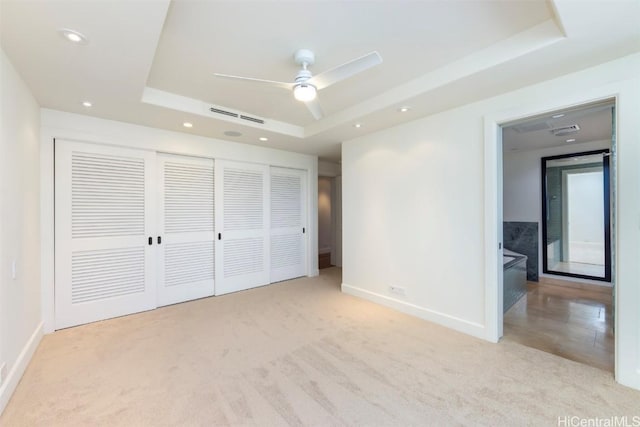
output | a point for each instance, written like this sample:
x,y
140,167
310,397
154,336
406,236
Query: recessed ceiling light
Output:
x,y
263,138
87,104
571,140
232,133
404,109
187,125
73,36
357,125
557,116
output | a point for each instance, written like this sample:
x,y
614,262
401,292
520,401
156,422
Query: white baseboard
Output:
x,y
461,325
17,370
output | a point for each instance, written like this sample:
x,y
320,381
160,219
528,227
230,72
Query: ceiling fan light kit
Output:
x,y
306,86
304,92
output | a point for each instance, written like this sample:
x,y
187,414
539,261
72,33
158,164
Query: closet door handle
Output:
x,y
219,236
159,239
302,230
150,240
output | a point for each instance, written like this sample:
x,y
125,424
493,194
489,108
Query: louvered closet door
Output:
x,y
104,266
186,228
242,226
288,224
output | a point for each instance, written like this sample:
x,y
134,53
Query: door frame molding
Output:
x,y
625,266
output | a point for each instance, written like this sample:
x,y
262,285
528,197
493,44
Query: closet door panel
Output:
x,y
186,227
242,255
288,224
103,217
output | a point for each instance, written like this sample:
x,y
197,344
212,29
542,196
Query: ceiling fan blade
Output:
x,y
315,109
345,71
282,85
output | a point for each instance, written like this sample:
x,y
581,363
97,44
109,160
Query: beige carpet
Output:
x,y
299,353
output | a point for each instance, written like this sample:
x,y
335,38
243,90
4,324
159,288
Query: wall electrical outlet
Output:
x,y
13,269
396,290
3,373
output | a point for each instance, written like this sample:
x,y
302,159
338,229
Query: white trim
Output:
x,y
20,365
461,325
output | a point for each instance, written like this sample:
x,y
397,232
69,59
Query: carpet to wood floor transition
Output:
x,y
299,353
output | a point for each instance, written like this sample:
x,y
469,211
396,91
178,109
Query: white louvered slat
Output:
x,y
287,222
243,199
286,250
243,256
187,222
286,206
188,197
188,262
107,195
106,273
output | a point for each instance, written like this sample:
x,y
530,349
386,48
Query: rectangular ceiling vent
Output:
x,y
225,112
565,130
531,127
252,119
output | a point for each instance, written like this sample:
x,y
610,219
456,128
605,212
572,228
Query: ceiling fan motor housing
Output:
x,y
304,58
303,76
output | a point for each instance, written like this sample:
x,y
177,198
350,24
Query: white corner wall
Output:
x,y
20,316
57,124
521,183
421,227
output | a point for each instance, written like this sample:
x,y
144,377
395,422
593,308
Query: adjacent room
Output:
x,y
557,190
319,213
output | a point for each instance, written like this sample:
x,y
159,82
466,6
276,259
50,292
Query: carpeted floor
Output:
x,y
299,353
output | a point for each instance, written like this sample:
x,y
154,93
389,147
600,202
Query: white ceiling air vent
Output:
x,y
217,110
565,130
252,119
531,127
224,112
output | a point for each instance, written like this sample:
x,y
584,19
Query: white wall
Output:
x,y
522,191
325,209
20,317
422,225
57,124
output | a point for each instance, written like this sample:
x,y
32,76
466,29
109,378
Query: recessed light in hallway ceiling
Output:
x,y
73,36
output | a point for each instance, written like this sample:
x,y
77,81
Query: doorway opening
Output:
x,y
558,232
329,215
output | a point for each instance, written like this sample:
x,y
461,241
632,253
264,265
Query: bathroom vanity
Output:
x,y
515,278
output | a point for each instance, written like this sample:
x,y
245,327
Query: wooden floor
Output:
x,y
574,323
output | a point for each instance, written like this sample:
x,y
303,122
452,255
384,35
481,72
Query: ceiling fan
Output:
x,y
306,85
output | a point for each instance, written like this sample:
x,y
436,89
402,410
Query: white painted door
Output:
x,y
185,239
242,226
288,225
104,264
